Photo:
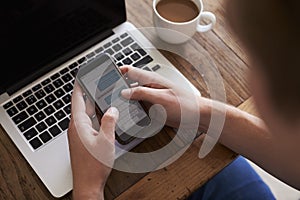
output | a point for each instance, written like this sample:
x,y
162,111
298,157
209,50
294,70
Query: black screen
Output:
x,y
38,35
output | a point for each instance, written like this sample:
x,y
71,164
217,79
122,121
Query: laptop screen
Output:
x,y
35,33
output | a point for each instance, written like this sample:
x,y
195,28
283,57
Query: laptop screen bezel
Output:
x,y
45,67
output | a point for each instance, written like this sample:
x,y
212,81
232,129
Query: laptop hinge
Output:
x,y
4,97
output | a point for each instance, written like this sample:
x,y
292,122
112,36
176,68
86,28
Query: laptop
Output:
x,y
45,43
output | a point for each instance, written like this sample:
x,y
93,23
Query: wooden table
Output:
x,y
178,180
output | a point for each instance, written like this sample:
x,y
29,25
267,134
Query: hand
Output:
x,y
91,151
176,101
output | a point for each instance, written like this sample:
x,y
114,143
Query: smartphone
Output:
x,y
102,81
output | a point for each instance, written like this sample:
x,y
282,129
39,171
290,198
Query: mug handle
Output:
x,y
211,17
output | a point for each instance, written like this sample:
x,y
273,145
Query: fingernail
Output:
x,y
126,93
114,111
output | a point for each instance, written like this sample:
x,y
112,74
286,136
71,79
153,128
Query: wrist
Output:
x,y
87,190
205,110
88,194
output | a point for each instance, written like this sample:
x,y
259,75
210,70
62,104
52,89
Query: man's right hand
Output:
x,y
155,89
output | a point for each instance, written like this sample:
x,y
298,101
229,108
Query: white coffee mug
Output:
x,y
180,32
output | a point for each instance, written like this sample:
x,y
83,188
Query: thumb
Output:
x,y
108,123
142,93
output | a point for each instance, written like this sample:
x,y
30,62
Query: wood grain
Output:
x,y
220,44
18,180
181,178
250,107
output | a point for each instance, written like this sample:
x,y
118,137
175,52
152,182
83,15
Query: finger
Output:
x,y
124,69
145,78
101,145
90,108
144,93
108,123
78,103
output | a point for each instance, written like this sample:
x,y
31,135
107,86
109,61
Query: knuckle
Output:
x,y
139,91
108,118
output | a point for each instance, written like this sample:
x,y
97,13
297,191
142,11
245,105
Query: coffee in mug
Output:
x,y
177,10
176,21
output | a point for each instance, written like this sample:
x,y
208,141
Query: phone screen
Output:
x,y
103,83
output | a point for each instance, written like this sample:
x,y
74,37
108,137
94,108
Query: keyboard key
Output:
x,y
49,110
68,87
156,67
67,109
41,104
74,72
7,105
90,55
37,87
59,93
73,65
55,76
109,51
124,35
30,100
135,56
40,94
45,137
50,121
12,111
135,46
59,115
81,60
20,117
63,71
25,125
127,61
143,62
21,105
40,116
32,110
58,83
119,64
127,41
119,56
99,50
117,47
54,131
64,124
17,99
147,69
45,82
35,143
27,93
67,98
49,88
127,51
58,104
50,98
66,78
107,45
30,133
116,40
142,52
41,127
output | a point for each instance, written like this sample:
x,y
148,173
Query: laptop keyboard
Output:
x,y
42,113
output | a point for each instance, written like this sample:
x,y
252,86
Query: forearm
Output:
x,y
246,134
249,136
241,132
